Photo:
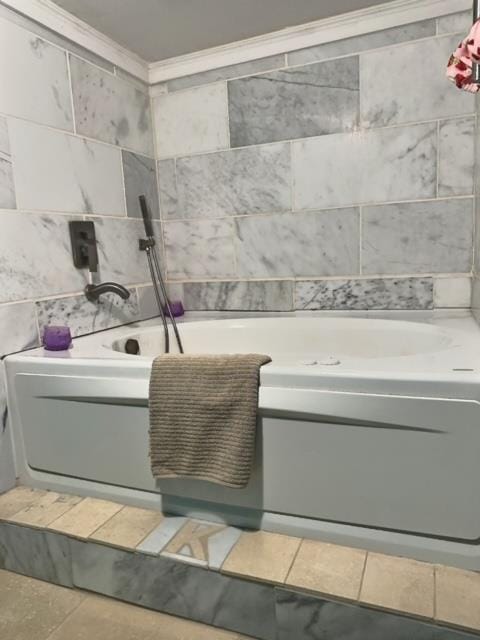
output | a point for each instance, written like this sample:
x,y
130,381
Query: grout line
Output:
x,y
360,240
434,592
437,161
293,560
84,596
362,576
70,91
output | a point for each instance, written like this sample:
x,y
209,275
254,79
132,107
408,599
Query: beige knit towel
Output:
x,y
203,411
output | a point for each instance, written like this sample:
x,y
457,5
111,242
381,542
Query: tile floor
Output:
x,y
418,589
35,610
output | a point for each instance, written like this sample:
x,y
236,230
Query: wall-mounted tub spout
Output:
x,y
93,291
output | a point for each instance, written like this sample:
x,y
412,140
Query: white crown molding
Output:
x,y
350,24
57,19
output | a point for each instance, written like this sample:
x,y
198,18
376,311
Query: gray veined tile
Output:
x,y
420,237
18,327
382,165
7,185
372,293
38,554
26,269
240,181
140,177
74,176
294,103
391,95
225,73
383,38
167,188
108,108
455,22
35,82
317,243
83,316
199,248
191,121
270,295
456,157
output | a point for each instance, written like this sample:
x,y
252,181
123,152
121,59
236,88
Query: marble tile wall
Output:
x,y
341,183
76,140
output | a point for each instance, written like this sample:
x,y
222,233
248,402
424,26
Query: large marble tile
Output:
x,y
35,82
303,617
270,295
108,108
389,96
85,517
177,588
18,327
48,508
83,316
457,597
294,103
38,554
31,609
459,22
140,177
226,183
119,257
17,499
371,166
317,243
373,40
27,270
364,294
199,248
167,189
128,527
7,185
456,157
420,237
225,73
147,302
452,292
59,172
191,121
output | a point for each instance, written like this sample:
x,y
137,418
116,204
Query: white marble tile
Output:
x,y
371,166
7,186
225,73
455,22
419,237
252,180
161,535
27,268
18,327
453,292
367,293
396,88
140,177
167,188
59,172
456,157
373,40
240,295
34,78
119,258
317,243
108,108
306,101
83,316
199,248
191,121
147,302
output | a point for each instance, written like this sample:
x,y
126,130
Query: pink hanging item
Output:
x,y
459,68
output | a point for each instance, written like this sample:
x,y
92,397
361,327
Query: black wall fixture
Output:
x,y
84,244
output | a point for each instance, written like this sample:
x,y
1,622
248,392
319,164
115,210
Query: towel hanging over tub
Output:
x,y
459,68
203,412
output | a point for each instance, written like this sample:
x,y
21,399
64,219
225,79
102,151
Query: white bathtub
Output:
x,y
368,430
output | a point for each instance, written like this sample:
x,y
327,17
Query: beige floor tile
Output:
x,y
105,619
45,510
400,584
458,597
262,555
328,569
17,499
31,609
128,527
86,517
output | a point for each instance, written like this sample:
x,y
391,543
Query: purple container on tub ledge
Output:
x,y
177,308
57,338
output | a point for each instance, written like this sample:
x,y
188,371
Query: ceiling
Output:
x,y
160,29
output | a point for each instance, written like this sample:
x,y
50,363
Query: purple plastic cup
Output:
x,y
57,338
177,308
